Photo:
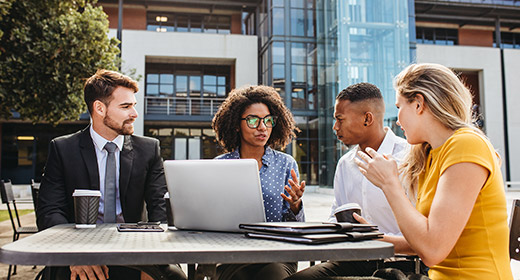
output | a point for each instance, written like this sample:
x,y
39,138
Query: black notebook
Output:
x,y
318,238
299,228
311,232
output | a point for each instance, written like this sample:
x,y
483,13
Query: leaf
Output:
x,y
48,48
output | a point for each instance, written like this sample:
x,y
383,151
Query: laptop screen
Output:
x,y
214,195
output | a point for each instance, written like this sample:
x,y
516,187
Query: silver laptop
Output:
x,y
214,195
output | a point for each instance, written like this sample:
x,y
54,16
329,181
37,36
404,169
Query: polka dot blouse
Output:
x,y
274,175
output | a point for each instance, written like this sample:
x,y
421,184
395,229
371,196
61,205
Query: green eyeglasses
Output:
x,y
253,121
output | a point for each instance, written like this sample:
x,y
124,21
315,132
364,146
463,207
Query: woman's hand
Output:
x,y
359,218
378,169
295,193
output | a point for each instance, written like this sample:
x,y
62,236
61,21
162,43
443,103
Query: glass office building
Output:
x,y
307,50
288,62
191,54
358,41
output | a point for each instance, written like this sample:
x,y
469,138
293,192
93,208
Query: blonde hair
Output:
x,y
448,100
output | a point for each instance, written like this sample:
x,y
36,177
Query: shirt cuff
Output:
x,y
289,216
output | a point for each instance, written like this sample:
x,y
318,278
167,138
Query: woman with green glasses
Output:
x,y
251,123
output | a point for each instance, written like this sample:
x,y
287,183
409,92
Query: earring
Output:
x,y
365,124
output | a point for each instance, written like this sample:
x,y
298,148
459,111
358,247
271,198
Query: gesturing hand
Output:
x,y
378,169
295,193
86,272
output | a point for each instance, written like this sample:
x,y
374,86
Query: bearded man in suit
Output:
x,y
79,161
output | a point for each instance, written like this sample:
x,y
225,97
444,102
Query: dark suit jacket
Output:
x,y
72,164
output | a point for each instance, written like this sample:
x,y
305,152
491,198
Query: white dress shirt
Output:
x,y
101,155
351,186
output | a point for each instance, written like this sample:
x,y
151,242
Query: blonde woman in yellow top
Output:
x,y
459,224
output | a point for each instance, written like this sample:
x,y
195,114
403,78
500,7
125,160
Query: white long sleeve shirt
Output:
x,y
351,186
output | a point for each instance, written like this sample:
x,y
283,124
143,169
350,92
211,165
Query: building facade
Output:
x,y
192,53
188,55
481,41
358,41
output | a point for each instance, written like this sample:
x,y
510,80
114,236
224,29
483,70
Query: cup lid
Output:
x,y
347,206
80,192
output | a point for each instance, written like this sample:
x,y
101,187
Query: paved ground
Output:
x,y
317,208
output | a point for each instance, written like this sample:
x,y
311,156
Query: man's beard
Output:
x,y
120,129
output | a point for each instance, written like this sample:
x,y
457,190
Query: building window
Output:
x,y
248,23
278,21
197,23
185,143
304,147
302,18
303,76
278,67
437,36
509,40
182,89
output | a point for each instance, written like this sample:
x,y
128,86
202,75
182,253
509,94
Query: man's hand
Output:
x,y
295,193
89,272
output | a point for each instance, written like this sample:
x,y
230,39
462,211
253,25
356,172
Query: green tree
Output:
x,y
47,50
4,7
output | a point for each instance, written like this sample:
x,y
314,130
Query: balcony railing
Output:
x,y
198,106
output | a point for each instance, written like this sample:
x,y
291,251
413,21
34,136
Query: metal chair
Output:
x,y
514,231
35,189
6,191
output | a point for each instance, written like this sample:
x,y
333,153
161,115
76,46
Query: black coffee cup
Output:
x,y
344,213
86,207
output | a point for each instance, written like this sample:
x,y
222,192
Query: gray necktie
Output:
x,y
110,184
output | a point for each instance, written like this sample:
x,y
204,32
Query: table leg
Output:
x,y
191,271
380,264
47,273
206,270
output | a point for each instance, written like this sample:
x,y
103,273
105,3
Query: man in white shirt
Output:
x,y
351,186
359,113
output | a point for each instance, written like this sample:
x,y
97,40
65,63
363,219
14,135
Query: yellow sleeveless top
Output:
x,y
482,251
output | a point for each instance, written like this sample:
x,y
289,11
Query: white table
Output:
x,y
64,245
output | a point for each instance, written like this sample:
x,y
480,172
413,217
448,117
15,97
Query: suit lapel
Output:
x,y
88,153
126,160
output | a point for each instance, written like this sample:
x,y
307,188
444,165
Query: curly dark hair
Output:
x,y
227,120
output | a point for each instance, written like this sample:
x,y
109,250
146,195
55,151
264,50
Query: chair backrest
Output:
x,y
514,231
35,184
6,190
35,190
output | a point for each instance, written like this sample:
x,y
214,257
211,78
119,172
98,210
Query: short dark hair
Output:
x,y
360,92
102,84
226,122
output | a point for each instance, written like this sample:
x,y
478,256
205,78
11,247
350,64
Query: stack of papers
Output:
x,y
311,232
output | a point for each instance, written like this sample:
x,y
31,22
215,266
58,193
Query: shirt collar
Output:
x,y
100,142
267,158
235,154
387,145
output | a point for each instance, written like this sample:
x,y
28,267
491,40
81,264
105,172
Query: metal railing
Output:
x,y
174,105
